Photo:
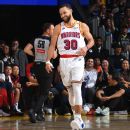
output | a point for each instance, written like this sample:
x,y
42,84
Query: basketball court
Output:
x,y
115,122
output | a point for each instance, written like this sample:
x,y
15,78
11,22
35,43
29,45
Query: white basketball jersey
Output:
x,y
70,40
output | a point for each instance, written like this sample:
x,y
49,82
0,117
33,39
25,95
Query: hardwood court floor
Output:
x,y
117,122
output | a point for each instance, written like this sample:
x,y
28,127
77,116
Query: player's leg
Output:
x,y
71,98
77,75
65,68
77,123
67,83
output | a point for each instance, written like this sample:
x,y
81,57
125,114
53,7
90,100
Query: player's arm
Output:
x,y
55,54
28,49
86,33
52,47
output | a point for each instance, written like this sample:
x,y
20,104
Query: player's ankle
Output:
x,y
77,116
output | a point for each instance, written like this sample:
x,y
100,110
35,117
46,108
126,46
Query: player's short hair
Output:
x,y
46,26
65,5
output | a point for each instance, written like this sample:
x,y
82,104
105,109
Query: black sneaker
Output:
x,y
40,117
32,116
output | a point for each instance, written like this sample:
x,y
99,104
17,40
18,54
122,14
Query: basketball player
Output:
x,y
40,46
69,36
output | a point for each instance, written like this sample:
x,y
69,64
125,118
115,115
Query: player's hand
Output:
x,y
82,51
48,67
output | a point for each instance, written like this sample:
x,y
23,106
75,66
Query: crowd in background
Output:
x,y
106,81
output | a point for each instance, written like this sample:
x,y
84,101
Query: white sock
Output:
x,y
77,93
77,116
16,106
71,96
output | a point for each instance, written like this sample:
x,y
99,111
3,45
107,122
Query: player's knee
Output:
x,y
77,93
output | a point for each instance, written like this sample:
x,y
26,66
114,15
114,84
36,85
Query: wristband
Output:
x,y
48,62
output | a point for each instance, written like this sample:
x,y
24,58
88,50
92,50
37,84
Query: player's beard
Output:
x,y
67,19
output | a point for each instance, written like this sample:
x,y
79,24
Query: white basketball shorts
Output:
x,y
71,69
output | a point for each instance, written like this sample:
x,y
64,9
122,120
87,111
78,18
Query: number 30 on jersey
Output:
x,y
70,44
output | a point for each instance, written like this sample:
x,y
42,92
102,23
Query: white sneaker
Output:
x,y
105,111
98,111
86,108
77,124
